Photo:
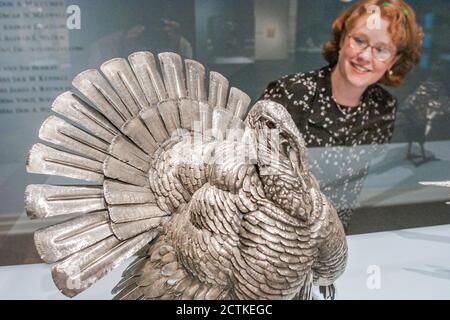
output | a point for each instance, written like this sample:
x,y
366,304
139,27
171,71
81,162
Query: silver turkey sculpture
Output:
x,y
214,207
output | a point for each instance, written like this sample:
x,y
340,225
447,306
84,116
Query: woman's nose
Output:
x,y
366,54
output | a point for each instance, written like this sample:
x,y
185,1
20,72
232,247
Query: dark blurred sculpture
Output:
x,y
175,41
420,110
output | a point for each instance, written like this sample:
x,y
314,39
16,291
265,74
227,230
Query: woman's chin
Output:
x,y
357,82
360,79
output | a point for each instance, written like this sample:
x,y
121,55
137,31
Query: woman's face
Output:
x,y
360,67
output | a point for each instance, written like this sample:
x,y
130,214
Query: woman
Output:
x,y
373,42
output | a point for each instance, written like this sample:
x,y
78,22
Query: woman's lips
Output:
x,y
359,69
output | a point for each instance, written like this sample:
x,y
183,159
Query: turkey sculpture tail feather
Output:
x,y
113,137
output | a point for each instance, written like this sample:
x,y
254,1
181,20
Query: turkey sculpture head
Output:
x,y
215,206
281,157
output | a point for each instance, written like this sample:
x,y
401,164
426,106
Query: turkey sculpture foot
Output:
x,y
214,206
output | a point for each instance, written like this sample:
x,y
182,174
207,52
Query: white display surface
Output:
x,y
411,264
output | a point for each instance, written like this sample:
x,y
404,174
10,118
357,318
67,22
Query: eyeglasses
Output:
x,y
381,53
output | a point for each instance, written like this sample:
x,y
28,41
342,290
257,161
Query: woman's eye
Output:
x,y
360,41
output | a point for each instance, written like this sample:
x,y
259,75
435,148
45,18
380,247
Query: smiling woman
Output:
x,y
373,42
343,103
395,45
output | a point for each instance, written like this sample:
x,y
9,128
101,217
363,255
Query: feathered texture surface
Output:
x,y
214,206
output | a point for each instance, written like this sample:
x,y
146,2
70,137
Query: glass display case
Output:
x,y
399,231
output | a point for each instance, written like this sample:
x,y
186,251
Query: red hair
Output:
x,y
406,34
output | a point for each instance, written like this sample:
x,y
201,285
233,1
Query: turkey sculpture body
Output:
x,y
215,207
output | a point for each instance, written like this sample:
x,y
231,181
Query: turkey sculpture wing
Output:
x,y
214,206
